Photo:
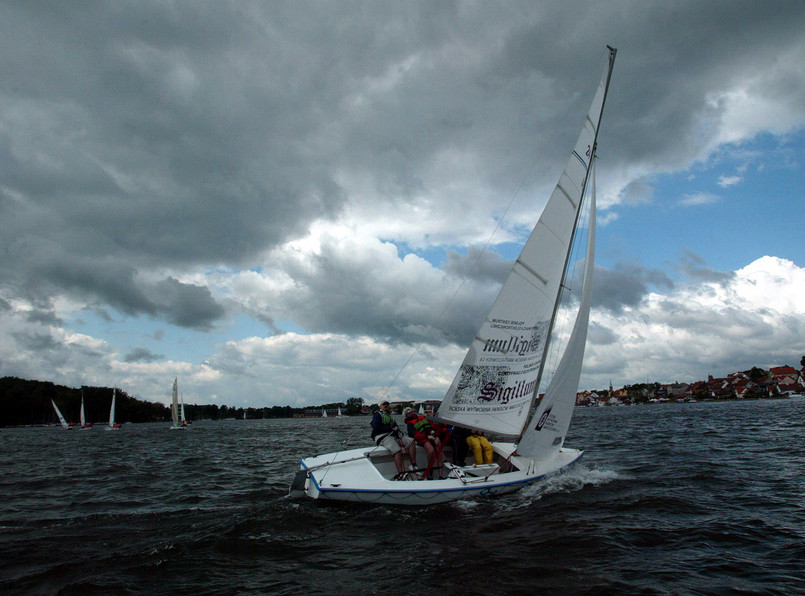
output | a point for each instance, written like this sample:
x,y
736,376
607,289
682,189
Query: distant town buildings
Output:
x,y
778,381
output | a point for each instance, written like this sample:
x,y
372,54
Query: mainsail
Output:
x,y
497,383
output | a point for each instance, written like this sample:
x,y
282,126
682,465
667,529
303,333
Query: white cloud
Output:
x,y
698,198
301,369
755,317
727,181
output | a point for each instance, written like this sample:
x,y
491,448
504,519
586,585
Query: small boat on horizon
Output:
x,y
177,409
62,421
84,424
112,424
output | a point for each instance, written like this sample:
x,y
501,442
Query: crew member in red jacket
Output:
x,y
421,430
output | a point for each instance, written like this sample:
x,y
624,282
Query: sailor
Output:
x,y
482,449
425,435
385,432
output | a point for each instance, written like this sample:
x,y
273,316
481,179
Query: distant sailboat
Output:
x,y
177,410
62,421
84,425
340,415
323,413
112,425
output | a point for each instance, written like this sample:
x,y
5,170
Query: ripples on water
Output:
x,y
669,499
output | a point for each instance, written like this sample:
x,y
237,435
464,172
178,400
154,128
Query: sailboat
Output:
x,y
497,385
323,413
177,409
339,414
84,424
112,424
62,421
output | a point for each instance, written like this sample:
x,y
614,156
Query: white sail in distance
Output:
x,y
62,421
175,403
112,409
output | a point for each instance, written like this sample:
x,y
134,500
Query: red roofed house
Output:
x,y
784,375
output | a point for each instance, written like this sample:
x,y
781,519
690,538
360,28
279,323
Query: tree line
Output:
x,y
27,402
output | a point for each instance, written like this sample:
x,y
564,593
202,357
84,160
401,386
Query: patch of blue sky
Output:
x,y
437,255
141,339
744,203
242,326
154,340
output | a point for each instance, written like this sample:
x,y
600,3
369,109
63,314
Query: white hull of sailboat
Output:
x,y
365,475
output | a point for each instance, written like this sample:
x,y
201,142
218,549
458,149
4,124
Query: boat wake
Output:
x,y
575,479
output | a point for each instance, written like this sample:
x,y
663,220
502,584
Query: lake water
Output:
x,y
703,498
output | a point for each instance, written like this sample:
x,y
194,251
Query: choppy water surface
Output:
x,y
669,499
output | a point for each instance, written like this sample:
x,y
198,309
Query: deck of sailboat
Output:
x,y
366,475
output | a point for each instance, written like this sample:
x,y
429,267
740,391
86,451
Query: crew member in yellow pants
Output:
x,y
481,447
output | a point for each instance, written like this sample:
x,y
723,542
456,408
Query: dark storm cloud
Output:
x,y
486,266
625,286
694,267
147,136
142,355
107,282
37,342
45,317
186,305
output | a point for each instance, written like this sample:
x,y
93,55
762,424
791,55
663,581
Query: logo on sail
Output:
x,y
527,341
543,419
494,392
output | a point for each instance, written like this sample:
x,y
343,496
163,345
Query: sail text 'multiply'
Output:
x,y
519,345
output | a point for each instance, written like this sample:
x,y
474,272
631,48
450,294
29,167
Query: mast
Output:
x,y
589,165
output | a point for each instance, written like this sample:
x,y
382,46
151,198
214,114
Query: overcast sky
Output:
x,y
275,201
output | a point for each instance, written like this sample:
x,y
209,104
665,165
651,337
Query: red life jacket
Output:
x,y
422,426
